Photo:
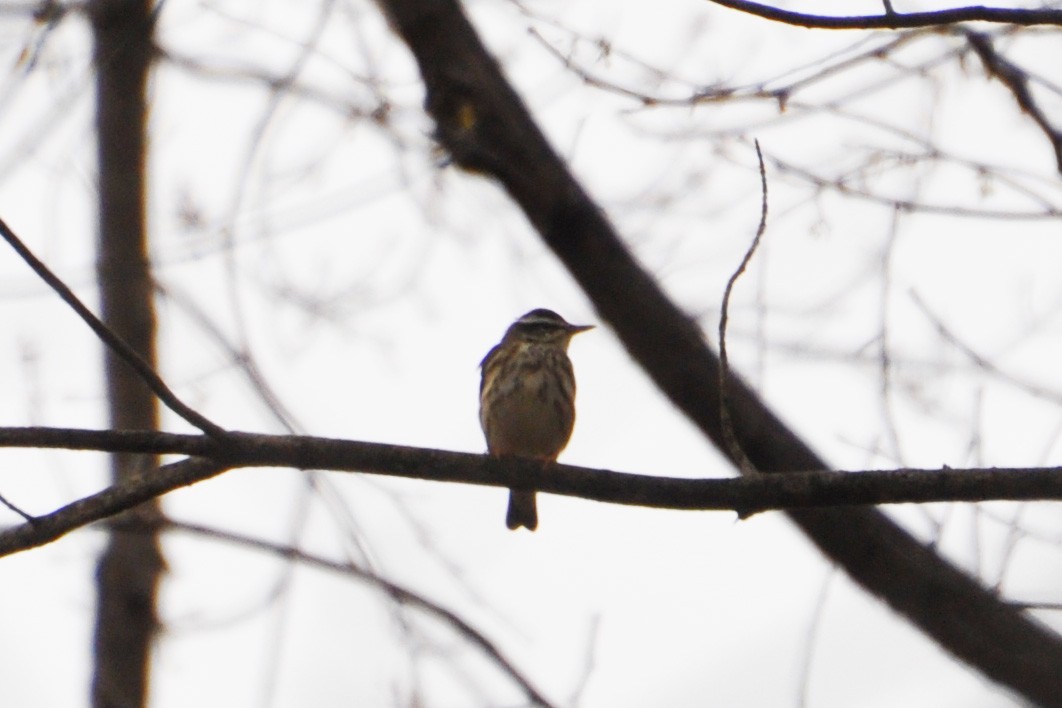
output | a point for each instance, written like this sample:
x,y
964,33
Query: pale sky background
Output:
x,y
368,284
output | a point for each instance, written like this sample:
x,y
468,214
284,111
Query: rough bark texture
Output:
x,y
486,128
130,567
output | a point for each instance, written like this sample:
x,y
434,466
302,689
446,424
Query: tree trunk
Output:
x,y
130,567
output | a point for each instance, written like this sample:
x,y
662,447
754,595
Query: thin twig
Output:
x,y
589,661
733,446
981,361
811,639
112,340
240,355
1017,82
843,188
28,517
401,594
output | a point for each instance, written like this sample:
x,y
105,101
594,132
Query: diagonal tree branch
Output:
x,y
486,128
25,515
109,338
123,495
899,20
399,593
1017,82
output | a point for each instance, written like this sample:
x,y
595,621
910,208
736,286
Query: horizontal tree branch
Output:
x,y
746,496
900,20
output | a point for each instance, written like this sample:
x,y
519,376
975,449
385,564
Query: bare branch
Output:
x,y
980,360
1050,212
110,339
894,20
29,518
1017,82
399,593
119,497
747,495
486,128
140,441
729,437
41,10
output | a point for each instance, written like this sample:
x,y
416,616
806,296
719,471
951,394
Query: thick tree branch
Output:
x,y
896,20
123,495
485,126
746,495
138,441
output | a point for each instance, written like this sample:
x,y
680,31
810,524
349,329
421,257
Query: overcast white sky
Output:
x,y
368,284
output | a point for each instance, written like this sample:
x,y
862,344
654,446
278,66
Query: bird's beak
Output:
x,y
576,329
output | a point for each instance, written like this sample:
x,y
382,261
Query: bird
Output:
x,y
527,398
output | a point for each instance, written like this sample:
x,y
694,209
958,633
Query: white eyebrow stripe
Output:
x,y
541,319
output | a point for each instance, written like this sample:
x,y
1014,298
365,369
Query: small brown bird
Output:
x,y
527,398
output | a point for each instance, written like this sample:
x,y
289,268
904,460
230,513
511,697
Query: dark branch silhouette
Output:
x,y
900,20
113,342
1017,82
399,593
25,515
729,438
746,496
486,128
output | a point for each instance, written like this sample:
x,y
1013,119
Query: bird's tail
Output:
x,y
522,510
